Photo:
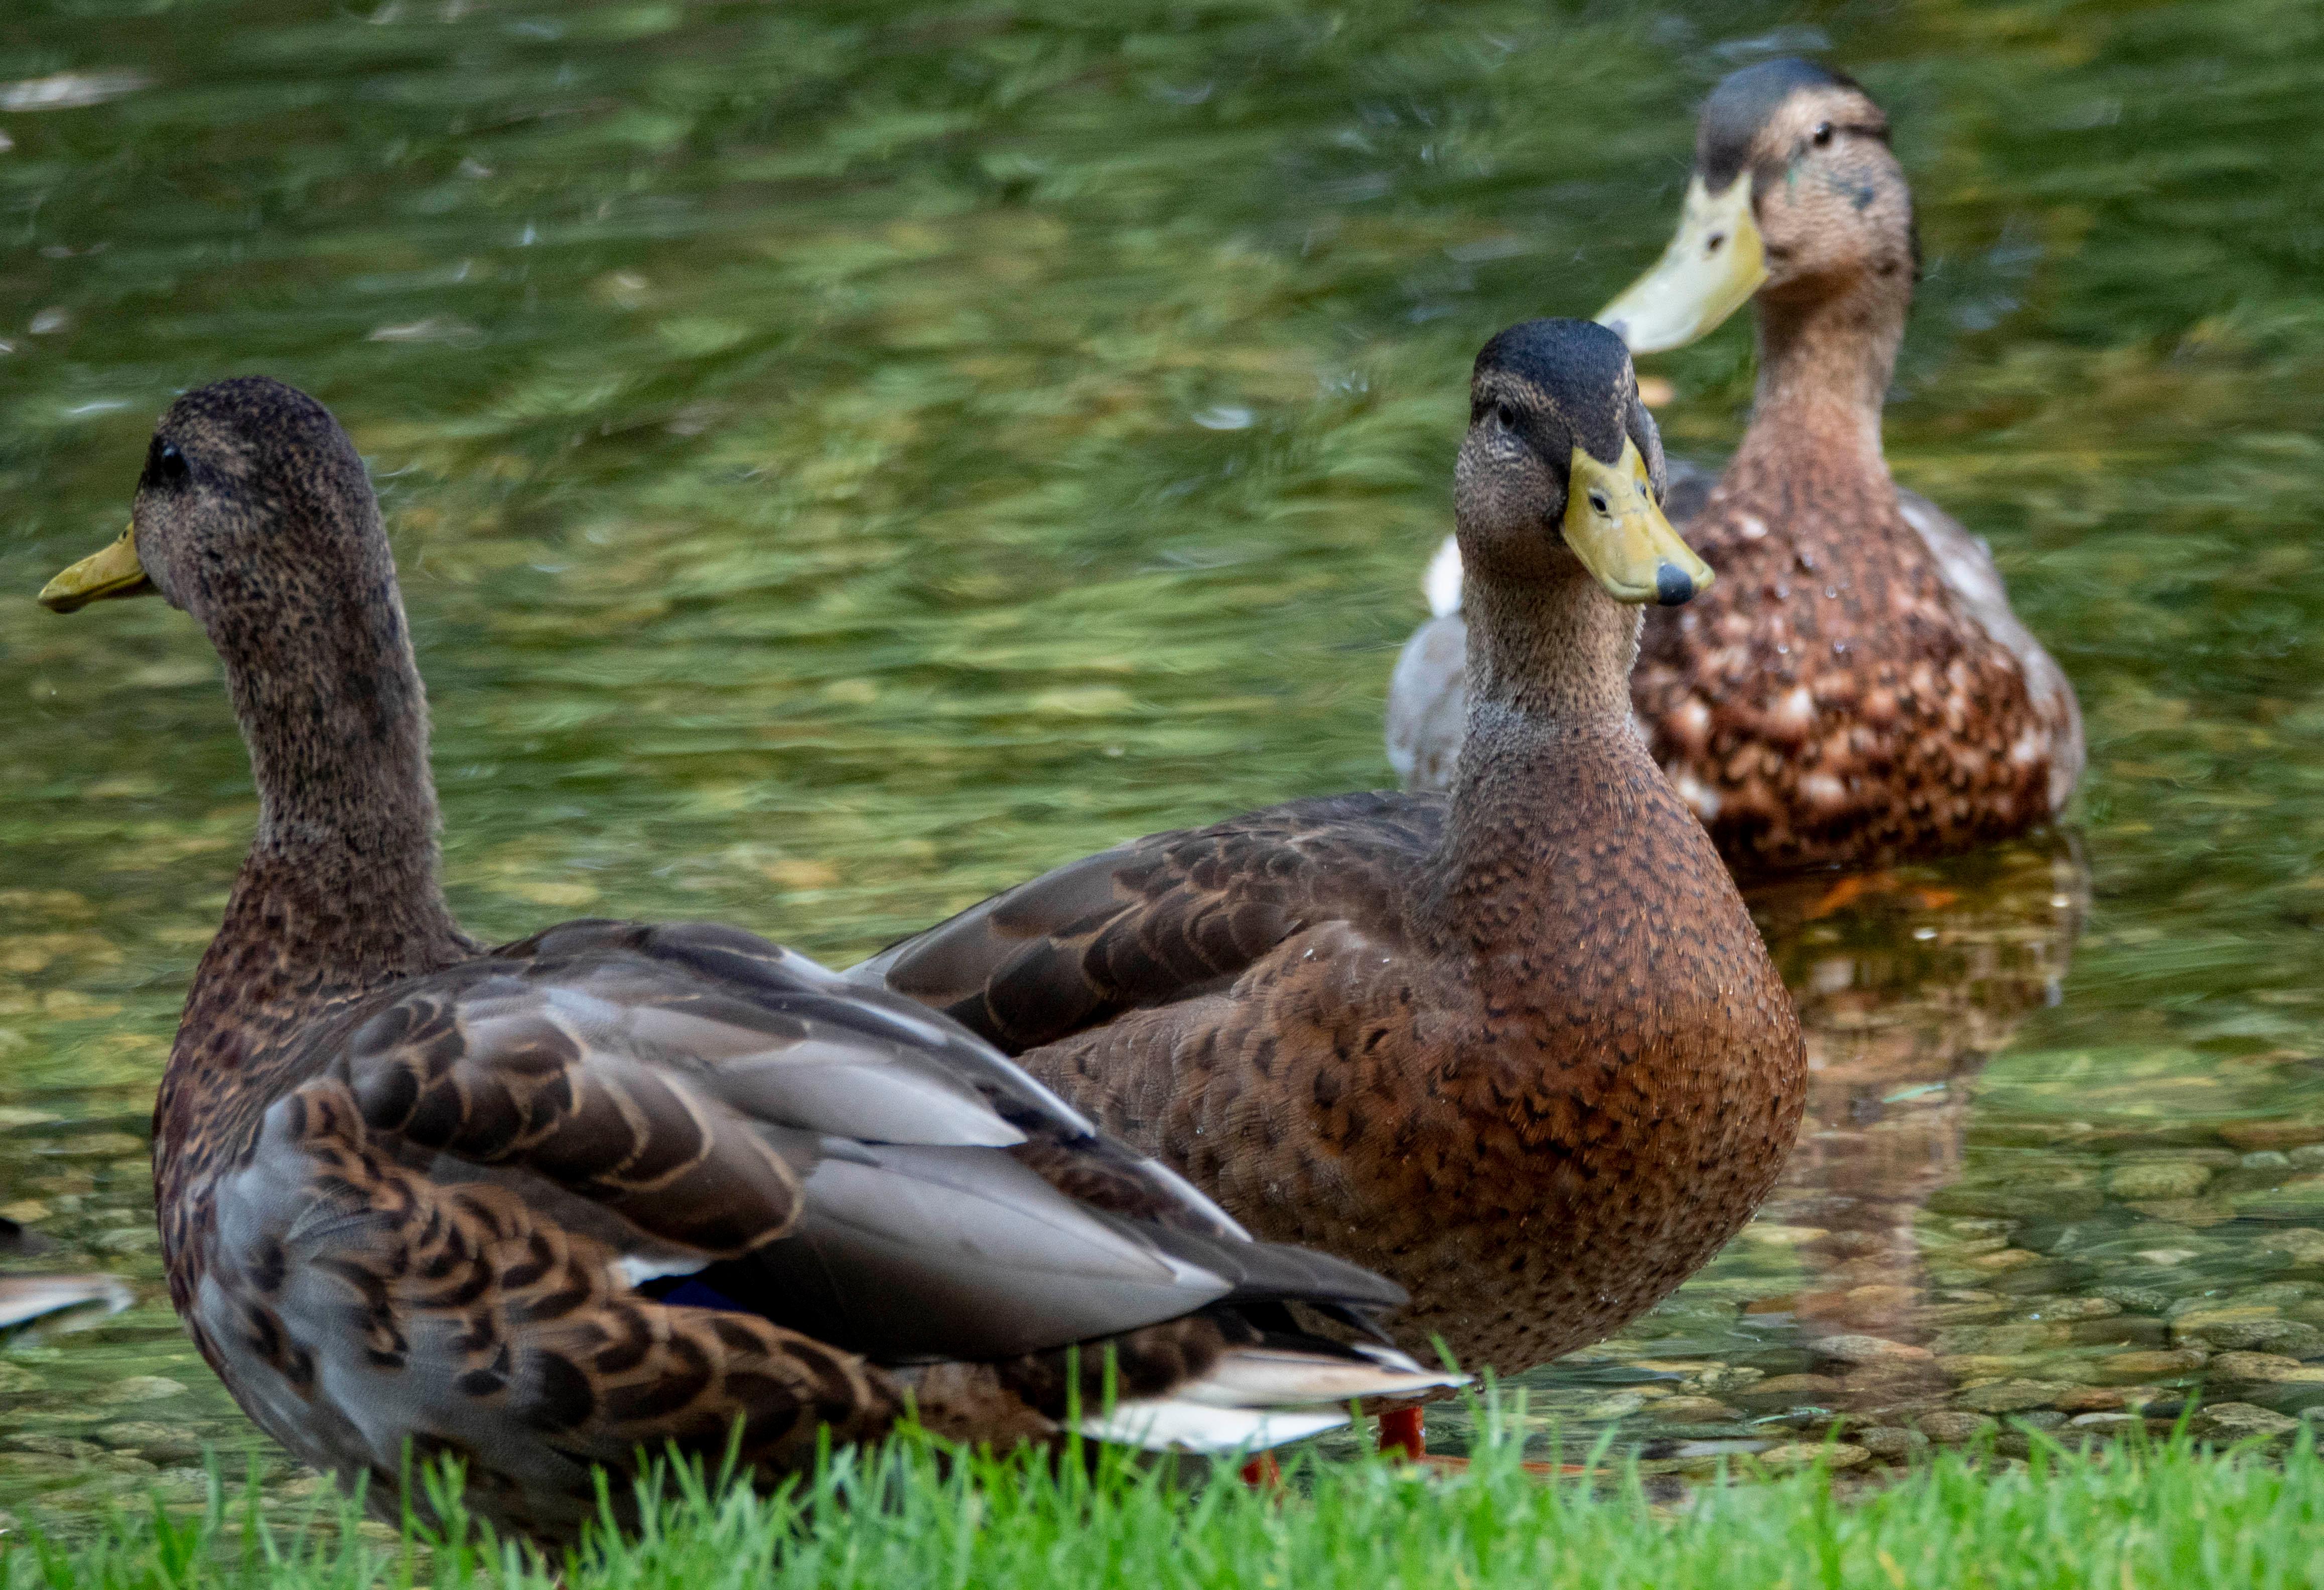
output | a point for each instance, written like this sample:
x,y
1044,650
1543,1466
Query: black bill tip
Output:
x,y
1673,585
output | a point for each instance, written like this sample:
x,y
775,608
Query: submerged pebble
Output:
x,y
1809,1453
2238,1421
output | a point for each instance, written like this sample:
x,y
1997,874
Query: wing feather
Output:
x,y
836,1158
1160,919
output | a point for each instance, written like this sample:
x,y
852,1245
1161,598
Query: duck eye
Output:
x,y
166,466
1711,244
1506,415
1821,136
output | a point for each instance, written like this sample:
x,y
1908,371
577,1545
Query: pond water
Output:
x,y
846,457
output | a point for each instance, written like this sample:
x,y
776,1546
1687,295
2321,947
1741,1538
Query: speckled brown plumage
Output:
x,y
619,1186
1854,688
1521,1050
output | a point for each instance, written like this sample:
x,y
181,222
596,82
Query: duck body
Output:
x,y
1855,690
1844,703
556,1207
1519,1048
1538,1100
624,1186
1946,728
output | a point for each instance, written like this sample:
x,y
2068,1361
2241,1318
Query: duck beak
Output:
x,y
99,577
1617,528
1711,270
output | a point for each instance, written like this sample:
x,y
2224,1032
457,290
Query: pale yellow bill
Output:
x,y
1617,528
113,572
1711,270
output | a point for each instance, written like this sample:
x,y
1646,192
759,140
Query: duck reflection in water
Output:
x,y
1907,985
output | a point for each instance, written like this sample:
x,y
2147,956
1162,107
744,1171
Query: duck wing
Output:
x,y
834,1159
624,1185
1162,919
1965,563
625,1188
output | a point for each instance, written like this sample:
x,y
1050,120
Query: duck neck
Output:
x,y
1549,703
341,883
1546,659
1825,361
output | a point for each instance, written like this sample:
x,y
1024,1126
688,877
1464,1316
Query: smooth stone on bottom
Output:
x,y
1988,1366
2303,1243
2291,1337
1892,1442
2158,1179
1869,1350
2013,1396
2237,1421
37,1466
2265,1368
164,1444
1788,1390
140,1388
53,1446
1952,1426
1694,1411
1807,1454
2134,1368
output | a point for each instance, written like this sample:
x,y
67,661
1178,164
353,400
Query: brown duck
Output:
x,y
619,1186
1520,1049
1856,688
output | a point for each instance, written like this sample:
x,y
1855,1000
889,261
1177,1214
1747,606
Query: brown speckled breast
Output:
x,y
1827,700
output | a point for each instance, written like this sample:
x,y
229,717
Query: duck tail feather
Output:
x,y
25,1300
1175,1424
1267,1272
1265,1395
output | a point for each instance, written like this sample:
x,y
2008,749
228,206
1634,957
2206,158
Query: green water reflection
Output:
x,y
846,457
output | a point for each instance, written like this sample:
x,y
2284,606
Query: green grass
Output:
x,y
900,1520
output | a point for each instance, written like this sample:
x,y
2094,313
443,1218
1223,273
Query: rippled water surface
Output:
x,y
847,458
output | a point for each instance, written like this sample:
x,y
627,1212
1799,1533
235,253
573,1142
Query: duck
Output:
x,y
619,1186
1855,691
1517,1047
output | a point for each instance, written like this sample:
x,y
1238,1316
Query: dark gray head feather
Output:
x,y
1740,106
1580,369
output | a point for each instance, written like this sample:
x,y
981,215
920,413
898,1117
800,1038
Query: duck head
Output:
x,y
1794,196
253,509
1563,466
254,516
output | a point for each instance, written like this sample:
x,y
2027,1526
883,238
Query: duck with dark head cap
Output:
x,y
1856,688
1519,1046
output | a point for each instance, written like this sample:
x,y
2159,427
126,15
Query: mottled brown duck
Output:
x,y
620,1186
1855,690
1519,1049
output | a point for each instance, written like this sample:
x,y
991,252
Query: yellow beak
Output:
x,y
1711,270
1617,528
113,572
